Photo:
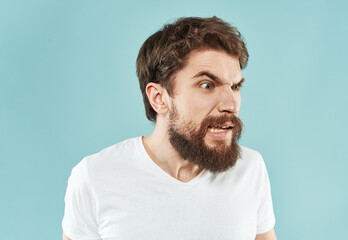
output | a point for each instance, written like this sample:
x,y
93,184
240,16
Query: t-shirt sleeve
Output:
x,y
265,214
79,221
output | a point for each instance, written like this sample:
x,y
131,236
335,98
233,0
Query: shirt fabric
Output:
x,y
121,194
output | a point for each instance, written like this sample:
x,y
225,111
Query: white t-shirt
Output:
x,y
121,194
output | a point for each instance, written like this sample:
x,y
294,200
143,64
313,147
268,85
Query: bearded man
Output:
x,y
189,179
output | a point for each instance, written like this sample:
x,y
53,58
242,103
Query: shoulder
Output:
x,y
250,164
108,158
114,152
117,148
250,157
248,153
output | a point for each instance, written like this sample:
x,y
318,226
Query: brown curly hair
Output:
x,y
165,52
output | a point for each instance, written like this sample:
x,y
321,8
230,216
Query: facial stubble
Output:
x,y
190,145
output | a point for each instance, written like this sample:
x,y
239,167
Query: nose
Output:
x,y
229,101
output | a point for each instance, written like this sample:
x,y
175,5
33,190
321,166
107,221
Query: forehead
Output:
x,y
217,62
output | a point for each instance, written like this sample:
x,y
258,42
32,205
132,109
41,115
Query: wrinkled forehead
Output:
x,y
217,62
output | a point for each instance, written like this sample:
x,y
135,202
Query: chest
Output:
x,y
146,211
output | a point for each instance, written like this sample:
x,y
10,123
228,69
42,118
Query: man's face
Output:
x,y
203,118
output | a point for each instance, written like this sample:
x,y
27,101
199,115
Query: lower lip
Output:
x,y
220,135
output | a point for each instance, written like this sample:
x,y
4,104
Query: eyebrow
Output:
x,y
214,77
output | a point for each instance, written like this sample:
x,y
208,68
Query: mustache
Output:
x,y
218,120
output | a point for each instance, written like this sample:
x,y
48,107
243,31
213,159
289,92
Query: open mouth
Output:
x,y
216,129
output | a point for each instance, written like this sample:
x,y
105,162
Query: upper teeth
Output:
x,y
221,129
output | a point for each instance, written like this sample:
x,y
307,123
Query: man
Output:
x,y
189,179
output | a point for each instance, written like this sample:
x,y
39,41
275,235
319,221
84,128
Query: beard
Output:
x,y
190,145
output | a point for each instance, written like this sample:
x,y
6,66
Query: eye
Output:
x,y
236,87
207,85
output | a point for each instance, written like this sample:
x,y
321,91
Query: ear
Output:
x,y
156,95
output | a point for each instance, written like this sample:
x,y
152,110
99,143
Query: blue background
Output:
x,y
69,88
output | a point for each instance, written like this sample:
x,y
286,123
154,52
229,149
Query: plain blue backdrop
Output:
x,y
68,88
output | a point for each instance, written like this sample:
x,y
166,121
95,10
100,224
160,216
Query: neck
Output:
x,y
161,151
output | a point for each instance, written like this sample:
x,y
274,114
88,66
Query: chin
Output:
x,y
218,143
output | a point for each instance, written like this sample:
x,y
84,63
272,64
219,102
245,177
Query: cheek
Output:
x,y
198,107
203,106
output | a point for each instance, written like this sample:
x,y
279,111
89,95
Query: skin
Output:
x,y
207,86
196,96
65,237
